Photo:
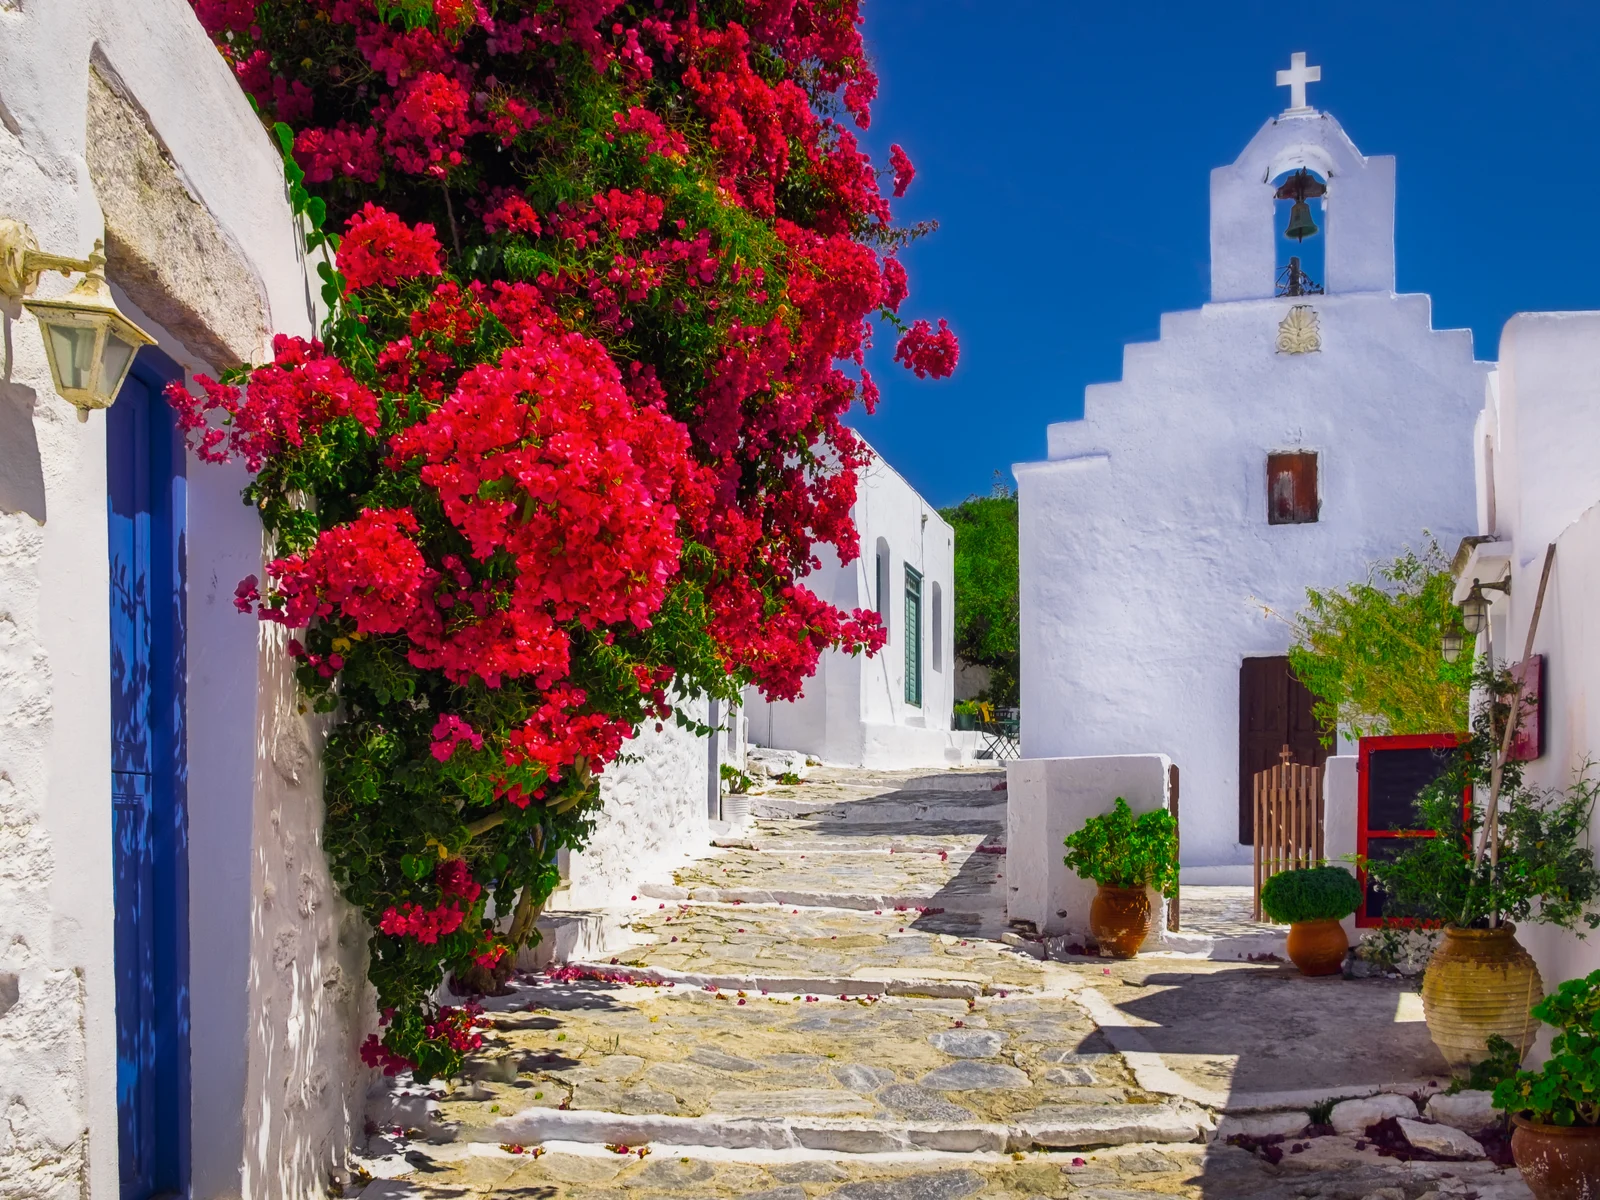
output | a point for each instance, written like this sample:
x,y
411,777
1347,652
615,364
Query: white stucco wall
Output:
x,y
1147,558
654,816
854,710
1536,437
276,965
1049,798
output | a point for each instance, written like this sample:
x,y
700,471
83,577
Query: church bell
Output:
x,y
1300,187
1301,226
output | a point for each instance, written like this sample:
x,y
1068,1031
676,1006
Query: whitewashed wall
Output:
x,y
1147,558
654,816
276,961
854,710
1535,446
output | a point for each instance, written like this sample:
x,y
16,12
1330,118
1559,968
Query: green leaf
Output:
x,y
415,866
317,210
285,137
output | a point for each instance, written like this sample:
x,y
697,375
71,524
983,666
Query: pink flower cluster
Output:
x,y
449,731
926,352
559,734
379,249
904,172
293,398
426,925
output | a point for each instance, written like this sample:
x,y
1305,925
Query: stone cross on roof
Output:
x,y
1295,79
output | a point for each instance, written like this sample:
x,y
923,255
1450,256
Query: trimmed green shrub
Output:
x,y
1324,893
1121,850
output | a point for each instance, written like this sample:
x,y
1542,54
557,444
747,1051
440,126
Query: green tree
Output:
x,y
1370,652
988,629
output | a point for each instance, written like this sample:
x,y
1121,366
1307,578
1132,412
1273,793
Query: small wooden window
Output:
x,y
1292,488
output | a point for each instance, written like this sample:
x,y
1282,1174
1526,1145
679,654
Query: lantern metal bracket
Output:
x,y
22,262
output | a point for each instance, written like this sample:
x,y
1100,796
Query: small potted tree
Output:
x,y
1556,1109
1312,901
1126,856
1532,864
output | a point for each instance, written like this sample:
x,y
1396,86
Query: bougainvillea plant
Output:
x,y
599,278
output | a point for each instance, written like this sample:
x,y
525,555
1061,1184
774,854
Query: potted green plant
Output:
x,y
1522,857
1556,1109
1313,901
965,715
1126,856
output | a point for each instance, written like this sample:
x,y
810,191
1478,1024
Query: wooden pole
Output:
x,y
1491,839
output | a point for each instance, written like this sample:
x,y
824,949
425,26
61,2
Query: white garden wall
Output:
x,y
1049,798
654,816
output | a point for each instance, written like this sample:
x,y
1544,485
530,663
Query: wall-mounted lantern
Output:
x,y
89,343
1450,645
1475,608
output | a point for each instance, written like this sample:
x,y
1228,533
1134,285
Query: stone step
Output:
x,y
876,984
1087,1125
910,903
898,810
776,941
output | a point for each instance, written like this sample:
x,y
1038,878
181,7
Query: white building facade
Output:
x,y
182,991
893,709
1539,486
1265,444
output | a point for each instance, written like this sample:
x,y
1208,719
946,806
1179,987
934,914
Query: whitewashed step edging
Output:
x,y
1115,1125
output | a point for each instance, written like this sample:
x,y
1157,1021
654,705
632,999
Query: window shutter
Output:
x,y
1292,488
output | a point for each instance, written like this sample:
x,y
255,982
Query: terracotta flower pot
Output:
x,y
1480,982
1558,1162
1120,919
1318,947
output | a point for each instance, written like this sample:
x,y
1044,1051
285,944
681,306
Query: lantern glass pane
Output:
x,y
72,348
1475,613
114,365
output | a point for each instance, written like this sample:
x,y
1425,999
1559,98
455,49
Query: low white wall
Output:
x,y
1048,798
1339,784
653,816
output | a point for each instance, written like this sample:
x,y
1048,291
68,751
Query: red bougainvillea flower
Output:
x,y
426,925
293,398
894,284
558,735
368,572
449,731
904,172
380,248
926,352
544,456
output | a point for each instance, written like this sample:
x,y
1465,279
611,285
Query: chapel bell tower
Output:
x,y
1303,161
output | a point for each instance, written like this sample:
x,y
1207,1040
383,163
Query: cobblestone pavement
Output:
x,y
826,1009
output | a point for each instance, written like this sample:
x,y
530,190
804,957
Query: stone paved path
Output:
x,y
826,1009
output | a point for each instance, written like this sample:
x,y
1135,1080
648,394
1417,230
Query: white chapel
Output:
x,y
1306,422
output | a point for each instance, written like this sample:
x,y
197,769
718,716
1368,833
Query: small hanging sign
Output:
x,y
1528,744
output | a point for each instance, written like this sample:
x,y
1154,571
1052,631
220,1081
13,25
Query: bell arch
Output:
x,y
1358,246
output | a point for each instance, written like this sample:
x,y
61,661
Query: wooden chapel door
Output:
x,y
1274,711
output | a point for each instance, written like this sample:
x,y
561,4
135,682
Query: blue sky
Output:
x,y
1065,150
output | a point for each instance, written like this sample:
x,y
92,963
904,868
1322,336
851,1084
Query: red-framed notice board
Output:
x,y
1391,772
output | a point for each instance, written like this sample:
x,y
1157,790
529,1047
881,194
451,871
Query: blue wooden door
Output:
x,y
145,511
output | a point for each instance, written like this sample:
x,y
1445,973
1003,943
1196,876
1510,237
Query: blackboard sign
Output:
x,y
1394,779
1392,773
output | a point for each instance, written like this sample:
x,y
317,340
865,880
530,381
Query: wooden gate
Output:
x,y
1287,818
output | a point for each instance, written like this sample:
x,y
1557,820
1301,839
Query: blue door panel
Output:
x,y
145,525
